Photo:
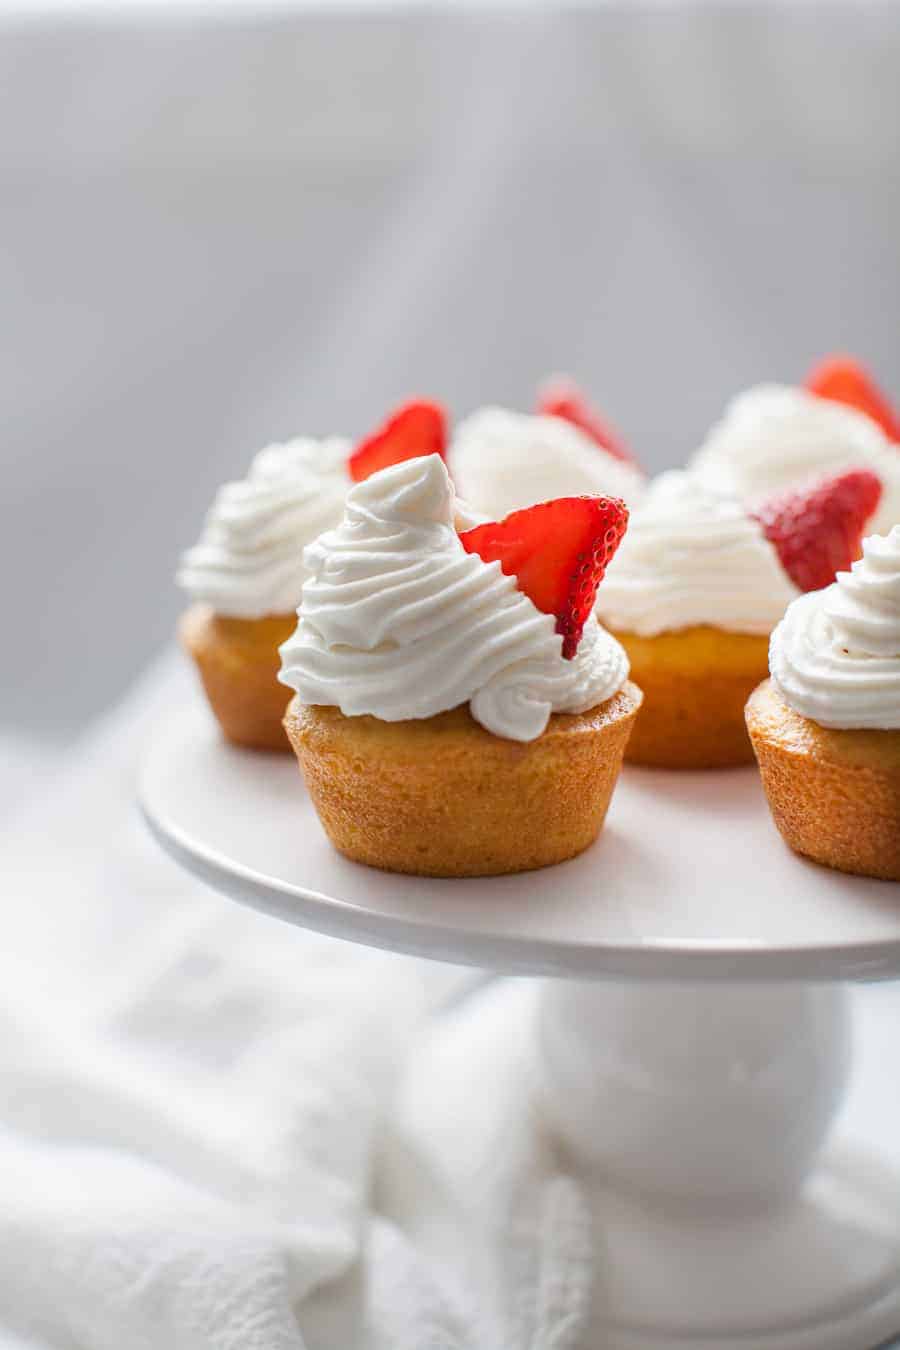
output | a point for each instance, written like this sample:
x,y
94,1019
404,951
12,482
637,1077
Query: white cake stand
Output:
x,y
693,1047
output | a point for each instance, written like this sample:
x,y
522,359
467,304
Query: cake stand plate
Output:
x,y
693,1052
688,881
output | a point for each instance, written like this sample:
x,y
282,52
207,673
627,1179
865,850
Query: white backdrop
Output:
x,y
218,228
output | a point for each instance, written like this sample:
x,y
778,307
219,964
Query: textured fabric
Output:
x,y
189,1093
474,1176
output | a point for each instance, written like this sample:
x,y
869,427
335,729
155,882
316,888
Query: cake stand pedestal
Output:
x,y
694,1041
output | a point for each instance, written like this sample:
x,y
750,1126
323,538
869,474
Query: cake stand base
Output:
x,y
700,1113
821,1275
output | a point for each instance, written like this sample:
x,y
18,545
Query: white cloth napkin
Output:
x,y
189,1092
475,1178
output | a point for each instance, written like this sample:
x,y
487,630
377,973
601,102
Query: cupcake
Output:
x,y
695,591
502,461
826,726
775,437
245,575
459,711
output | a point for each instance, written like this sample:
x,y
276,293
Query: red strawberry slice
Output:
x,y
558,552
844,380
561,397
818,531
414,429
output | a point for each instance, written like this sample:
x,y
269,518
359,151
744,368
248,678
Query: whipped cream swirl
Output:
x,y
398,621
249,560
775,437
504,460
693,556
835,656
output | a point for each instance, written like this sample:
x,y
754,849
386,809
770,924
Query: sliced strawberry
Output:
x,y
844,380
818,531
414,429
558,552
561,397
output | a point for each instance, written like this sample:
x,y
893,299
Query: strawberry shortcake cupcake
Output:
x,y
775,437
696,590
459,711
245,575
502,461
826,726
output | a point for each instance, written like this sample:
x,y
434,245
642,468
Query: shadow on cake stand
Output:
x,y
694,1039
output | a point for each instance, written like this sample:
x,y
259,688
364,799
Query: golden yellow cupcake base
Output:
x,y
695,683
443,797
238,662
834,795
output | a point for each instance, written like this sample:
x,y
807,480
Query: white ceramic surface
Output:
x,y
704,1096
689,880
740,1199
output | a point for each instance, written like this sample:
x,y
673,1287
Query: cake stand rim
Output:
x,y
510,953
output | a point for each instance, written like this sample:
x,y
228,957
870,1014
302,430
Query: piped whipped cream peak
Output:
x,y
398,621
774,437
502,461
248,562
835,656
693,556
